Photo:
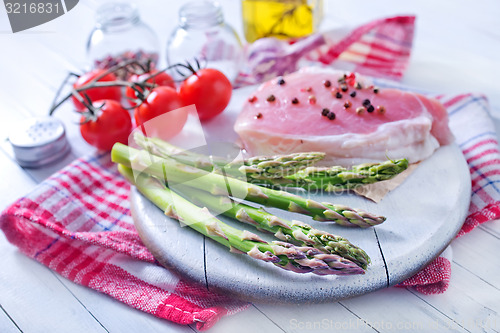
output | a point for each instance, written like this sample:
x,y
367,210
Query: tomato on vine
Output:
x,y
97,93
208,89
155,78
105,123
164,104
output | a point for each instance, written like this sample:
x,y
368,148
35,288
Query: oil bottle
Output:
x,y
286,19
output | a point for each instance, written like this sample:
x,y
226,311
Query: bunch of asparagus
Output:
x,y
173,179
300,259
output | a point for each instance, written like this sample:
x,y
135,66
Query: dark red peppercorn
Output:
x,y
258,115
325,112
366,102
353,94
347,104
380,109
252,99
327,83
331,115
281,81
338,95
370,108
271,98
295,101
344,88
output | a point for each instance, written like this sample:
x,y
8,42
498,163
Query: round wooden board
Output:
x,y
423,215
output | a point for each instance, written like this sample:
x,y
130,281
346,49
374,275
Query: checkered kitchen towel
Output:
x,y
78,223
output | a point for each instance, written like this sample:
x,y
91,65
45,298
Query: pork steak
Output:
x,y
343,115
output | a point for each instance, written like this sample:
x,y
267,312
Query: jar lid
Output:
x,y
39,141
116,15
200,14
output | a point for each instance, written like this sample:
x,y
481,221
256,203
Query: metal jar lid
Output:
x,y
39,141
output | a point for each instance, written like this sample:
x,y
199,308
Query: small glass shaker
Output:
x,y
203,35
119,35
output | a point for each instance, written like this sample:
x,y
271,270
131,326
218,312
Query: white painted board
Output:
x,y
423,216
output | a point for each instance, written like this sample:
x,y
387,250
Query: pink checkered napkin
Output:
x,y
380,48
77,222
475,134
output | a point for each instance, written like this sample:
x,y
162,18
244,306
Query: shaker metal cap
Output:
x,y
39,141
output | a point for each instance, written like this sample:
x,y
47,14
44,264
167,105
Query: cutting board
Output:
x,y
423,215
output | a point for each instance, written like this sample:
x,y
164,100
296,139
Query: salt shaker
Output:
x,y
203,35
119,35
38,141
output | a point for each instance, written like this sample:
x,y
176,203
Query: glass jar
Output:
x,y
203,35
280,18
119,34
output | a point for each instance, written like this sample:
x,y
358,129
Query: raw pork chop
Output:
x,y
343,115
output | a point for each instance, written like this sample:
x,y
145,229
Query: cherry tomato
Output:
x,y
113,124
161,79
209,90
112,93
164,105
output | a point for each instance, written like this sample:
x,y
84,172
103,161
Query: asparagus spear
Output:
x,y
282,171
268,167
338,178
283,255
289,231
218,184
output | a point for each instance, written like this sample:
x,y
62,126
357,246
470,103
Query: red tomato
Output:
x,y
164,105
113,124
111,93
161,79
209,90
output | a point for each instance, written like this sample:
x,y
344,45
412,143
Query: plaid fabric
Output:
x,y
78,223
472,126
380,48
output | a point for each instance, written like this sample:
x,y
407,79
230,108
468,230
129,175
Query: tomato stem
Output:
x,y
90,85
122,65
140,88
59,90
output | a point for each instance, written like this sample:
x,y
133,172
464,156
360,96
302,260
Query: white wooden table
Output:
x,y
457,47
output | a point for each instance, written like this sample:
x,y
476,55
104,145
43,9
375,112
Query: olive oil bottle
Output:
x,y
280,18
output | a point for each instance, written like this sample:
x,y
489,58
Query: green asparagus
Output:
x,y
282,254
175,172
290,231
337,178
258,167
282,171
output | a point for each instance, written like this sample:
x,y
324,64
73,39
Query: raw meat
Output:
x,y
293,114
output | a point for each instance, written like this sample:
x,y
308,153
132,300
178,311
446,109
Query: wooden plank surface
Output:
x,y
7,325
35,299
123,318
